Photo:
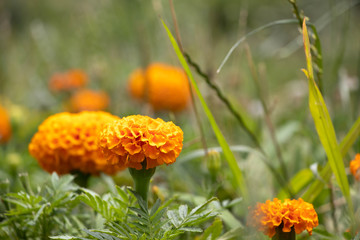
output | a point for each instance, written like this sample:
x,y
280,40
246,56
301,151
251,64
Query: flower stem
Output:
x,y
142,179
280,235
81,179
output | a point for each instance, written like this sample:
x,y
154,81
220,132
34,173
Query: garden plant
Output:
x,y
164,119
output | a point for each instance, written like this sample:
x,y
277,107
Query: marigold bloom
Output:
x,y
291,213
133,139
5,126
67,142
355,167
165,87
89,100
69,80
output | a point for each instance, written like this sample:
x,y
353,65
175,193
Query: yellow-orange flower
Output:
x,y
89,100
289,214
165,87
131,140
136,83
67,142
69,80
355,167
5,126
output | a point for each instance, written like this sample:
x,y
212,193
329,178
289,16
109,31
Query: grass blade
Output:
x,y
325,128
277,22
325,174
229,156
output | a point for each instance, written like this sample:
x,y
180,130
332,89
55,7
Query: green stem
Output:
x,y
81,179
280,235
142,179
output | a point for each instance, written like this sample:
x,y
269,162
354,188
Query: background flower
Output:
x,y
69,80
355,166
130,140
164,86
5,126
66,142
89,100
289,214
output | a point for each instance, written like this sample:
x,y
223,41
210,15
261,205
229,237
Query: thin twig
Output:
x,y
227,103
256,30
196,113
177,32
266,112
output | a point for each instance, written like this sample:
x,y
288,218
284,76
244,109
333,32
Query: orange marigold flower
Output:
x,y
165,87
89,100
5,126
289,214
69,80
129,141
67,142
355,167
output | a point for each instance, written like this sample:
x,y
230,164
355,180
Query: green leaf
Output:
x,y
297,183
191,229
238,181
202,206
324,127
325,174
232,234
214,231
350,138
183,211
64,237
174,218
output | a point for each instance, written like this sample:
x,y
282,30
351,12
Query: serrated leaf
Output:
x,y
173,217
64,237
155,207
140,212
183,211
37,215
162,207
191,229
143,205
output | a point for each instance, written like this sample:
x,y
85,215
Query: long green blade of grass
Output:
x,y
325,128
325,174
229,156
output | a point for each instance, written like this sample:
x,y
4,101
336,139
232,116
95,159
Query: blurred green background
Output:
x,y
109,39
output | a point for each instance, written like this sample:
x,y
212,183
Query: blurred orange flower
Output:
x,y
289,214
69,80
355,167
89,100
165,87
5,126
67,142
131,140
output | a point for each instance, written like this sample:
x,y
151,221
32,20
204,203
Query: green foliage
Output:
x,y
157,223
47,211
108,206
